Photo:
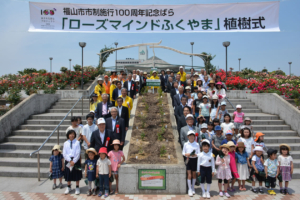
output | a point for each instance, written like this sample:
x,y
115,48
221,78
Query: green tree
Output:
x,y
104,56
207,62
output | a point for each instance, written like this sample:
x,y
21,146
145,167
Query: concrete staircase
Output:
x,y
274,128
14,151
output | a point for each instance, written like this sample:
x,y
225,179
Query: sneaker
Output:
x,y
190,193
89,193
282,191
221,194
94,192
232,189
254,190
270,191
261,191
204,195
54,186
60,186
286,191
273,192
208,195
193,191
77,191
68,190
227,195
105,195
100,194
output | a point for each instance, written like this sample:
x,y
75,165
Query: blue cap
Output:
x,y
218,128
229,132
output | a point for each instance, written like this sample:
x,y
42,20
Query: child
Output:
x,y
200,121
258,168
210,128
79,121
190,99
195,93
232,165
228,137
238,117
227,125
87,131
271,170
117,158
204,108
222,111
223,172
217,140
205,135
242,165
259,141
90,170
206,167
56,166
103,171
214,108
190,150
74,126
286,167
247,124
216,122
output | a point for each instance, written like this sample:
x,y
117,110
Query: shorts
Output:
x,y
206,174
238,125
192,164
271,181
257,176
114,172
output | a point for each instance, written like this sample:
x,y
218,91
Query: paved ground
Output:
x,y
29,188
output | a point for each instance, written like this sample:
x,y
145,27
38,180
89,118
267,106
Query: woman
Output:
x,y
200,85
113,75
211,89
112,87
220,91
71,153
94,102
163,80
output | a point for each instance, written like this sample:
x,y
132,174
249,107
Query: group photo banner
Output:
x,y
107,18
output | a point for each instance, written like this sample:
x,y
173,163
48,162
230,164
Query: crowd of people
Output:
x,y
211,143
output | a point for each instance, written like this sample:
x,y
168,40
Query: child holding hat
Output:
x,y
103,172
90,170
242,164
56,166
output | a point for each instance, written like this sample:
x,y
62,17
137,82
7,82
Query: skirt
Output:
x,y
286,173
224,173
243,171
74,175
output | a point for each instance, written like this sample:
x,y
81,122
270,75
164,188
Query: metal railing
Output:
x,y
230,103
57,129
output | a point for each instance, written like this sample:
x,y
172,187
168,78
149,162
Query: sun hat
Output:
x,y
116,141
187,87
101,121
230,144
154,72
103,150
145,72
215,96
115,79
201,116
211,81
247,119
223,103
219,83
100,79
91,150
196,74
105,76
190,133
180,67
199,80
204,125
205,141
238,106
218,128
285,146
271,151
240,145
229,132
168,70
56,147
225,146
189,115
258,148
257,135
205,96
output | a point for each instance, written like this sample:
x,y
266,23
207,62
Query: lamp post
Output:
x,y
116,54
82,45
239,64
70,63
51,64
226,44
290,63
192,43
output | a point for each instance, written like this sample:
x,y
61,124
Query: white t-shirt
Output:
x,y
285,161
248,143
87,131
205,109
227,127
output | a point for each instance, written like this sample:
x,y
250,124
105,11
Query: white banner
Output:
x,y
230,17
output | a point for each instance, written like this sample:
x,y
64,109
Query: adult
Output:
x,y
200,85
177,97
154,76
189,127
182,74
123,112
192,70
202,74
220,91
102,109
106,84
179,109
94,102
117,91
99,137
196,76
174,91
168,71
181,120
163,80
127,101
169,85
117,127
113,86
218,79
179,81
188,76
124,76
139,77
173,77
189,84
113,75
211,90
99,89
130,86
205,82
144,78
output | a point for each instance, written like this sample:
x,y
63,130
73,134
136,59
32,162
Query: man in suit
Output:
x,y
123,112
130,85
99,137
144,80
189,127
181,120
174,91
177,97
117,91
182,83
170,84
179,109
163,80
117,127
102,109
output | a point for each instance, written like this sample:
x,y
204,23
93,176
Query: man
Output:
x,y
102,110
117,127
138,77
173,77
192,70
124,76
130,86
189,127
181,120
99,137
163,80
170,85
127,101
113,86
182,74
123,112
106,84
189,83
154,76
144,80
168,72
179,109
179,81
121,72
188,76
99,89
174,91
177,97
201,76
118,91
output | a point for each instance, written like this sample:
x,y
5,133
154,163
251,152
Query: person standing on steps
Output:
x,y
99,89
127,101
102,109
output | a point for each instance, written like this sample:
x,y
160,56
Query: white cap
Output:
x,y
154,71
100,79
206,141
214,96
223,103
101,121
187,87
168,70
204,125
239,106
189,115
190,133
205,96
258,148
180,67
92,111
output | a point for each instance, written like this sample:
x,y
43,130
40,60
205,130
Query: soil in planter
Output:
x,y
152,139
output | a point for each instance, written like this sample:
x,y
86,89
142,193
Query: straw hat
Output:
x,y
115,79
247,119
286,146
116,141
225,146
56,147
211,81
91,150
230,144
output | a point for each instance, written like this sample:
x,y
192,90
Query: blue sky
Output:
x,y
22,49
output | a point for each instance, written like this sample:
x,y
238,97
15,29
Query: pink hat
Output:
x,y
103,150
219,83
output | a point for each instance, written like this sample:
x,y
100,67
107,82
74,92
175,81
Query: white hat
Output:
x,y
187,87
154,71
168,70
199,79
258,148
223,103
190,133
189,115
239,106
91,111
204,125
214,96
180,67
196,74
101,121
115,79
205,96
206,141
100,79
137,70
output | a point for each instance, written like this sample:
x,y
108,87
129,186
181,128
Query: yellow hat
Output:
x,y
285,146
56,147
91,150
225,146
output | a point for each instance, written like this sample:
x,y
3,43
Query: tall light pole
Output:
x,y
192,43
290,63
226,44
51,64
82,45
70,63
239,64
116,54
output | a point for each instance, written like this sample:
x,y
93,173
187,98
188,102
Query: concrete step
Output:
x,y
239,100
78,106
35,139
274,133
44,127
270,127
74,100
27,146
295,148
267,122
23,153
85,111
283,139
47,122
53,116
38,133
261,116
25,172
255,110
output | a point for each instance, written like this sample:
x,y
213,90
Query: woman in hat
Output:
x,y
99,89
220,91
113,75
56,166
112,87
71,153
94,102
199,84
211,90
286,166
154,76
